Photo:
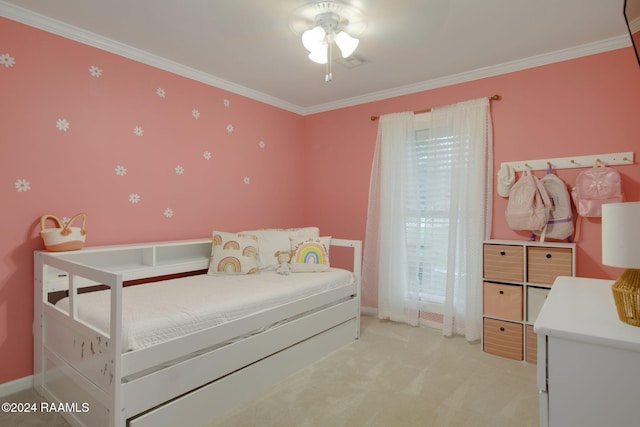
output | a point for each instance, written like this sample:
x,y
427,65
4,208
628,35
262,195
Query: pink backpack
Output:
x,y
529,204
595,187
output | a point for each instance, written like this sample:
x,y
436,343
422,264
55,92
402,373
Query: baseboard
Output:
x,y
369,311
15,386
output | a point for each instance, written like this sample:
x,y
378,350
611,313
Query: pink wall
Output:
x,y
310,170
579,107
48,79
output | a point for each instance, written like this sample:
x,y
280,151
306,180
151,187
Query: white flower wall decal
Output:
x,y
95,71
168,212
261,144
195,113
22,185
226,103
138,131
62,125
134,198
7,60
229,128
247,180
207,155
161,92
179,170
121,170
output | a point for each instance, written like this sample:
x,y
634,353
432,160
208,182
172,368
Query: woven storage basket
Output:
x,y
64,237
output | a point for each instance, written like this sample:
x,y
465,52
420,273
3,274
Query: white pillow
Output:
x,y
272,240
310,254
233,253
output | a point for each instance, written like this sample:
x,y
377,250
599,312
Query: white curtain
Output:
x,y
385,252
389,259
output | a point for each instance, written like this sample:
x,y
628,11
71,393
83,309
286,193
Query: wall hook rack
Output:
x,y
610,159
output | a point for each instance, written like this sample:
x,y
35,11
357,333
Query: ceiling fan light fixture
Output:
x,y
312,39
335,22
320,55
346,43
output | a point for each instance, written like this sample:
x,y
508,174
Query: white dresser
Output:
x,y
588,360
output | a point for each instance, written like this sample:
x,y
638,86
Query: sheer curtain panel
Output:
x,y
390,195
429,212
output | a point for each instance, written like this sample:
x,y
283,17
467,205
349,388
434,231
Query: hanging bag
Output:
x,y
529,204
63,237
595,187
560,223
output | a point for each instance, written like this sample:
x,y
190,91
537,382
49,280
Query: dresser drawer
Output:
x,y
502,338
531,344
535,299
503,301
544,264
503,263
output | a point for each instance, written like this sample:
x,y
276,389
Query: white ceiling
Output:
x,y
246,46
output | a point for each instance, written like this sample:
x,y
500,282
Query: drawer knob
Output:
x,y
502,328
502,253
548,256
501,292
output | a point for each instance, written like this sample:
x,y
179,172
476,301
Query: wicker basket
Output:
x,y
626,294
64,237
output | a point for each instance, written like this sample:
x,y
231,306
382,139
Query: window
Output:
x,y
428,225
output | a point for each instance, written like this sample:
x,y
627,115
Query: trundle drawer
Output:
x,y
502,338
503,263
544,264
503,301
531,343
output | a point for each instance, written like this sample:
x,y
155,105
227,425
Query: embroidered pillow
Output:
x,y
310,254
233,253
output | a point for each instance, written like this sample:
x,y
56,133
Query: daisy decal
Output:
x,y
62,125
168,212
137,131
226,103
95,71
22,185
7,60
160,92
229,128
134,198
121,170
195,113
207,155
261,144
179,170
247,180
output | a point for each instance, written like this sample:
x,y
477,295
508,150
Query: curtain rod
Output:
x,y
491,98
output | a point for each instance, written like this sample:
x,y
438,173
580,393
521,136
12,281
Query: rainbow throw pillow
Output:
x,y
310,254
233,253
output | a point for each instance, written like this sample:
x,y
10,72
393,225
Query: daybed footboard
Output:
x,y
198,376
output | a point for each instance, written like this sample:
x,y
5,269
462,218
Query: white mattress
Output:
x,y
159,311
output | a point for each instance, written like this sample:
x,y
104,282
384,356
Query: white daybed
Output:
x,y
107,379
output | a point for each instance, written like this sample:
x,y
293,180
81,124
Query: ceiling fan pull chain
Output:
x,y
328,77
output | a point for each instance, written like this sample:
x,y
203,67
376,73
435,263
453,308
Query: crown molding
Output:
x,y
480,73
24,16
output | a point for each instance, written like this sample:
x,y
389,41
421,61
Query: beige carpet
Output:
x,y
394,376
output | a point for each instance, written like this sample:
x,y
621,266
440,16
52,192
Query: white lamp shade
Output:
x,y
320,55
312,39
621,234
346,43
